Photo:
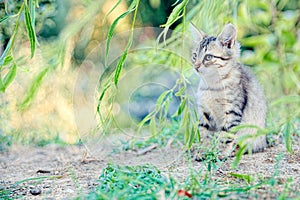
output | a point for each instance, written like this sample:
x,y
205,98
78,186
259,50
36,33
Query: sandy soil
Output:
x,y
73,171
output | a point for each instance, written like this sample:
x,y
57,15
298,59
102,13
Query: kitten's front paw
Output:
x,y
228,151
258,145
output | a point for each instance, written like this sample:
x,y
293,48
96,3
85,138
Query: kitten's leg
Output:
x,y
227,146
255,143
233,118
197,151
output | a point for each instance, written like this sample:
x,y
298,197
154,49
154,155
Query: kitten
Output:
x,y
228,94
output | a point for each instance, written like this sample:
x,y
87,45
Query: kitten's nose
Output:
x,y
197,65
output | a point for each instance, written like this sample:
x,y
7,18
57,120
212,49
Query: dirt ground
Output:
x,y
74,171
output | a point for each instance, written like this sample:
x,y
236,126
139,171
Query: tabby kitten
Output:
x,y
228,94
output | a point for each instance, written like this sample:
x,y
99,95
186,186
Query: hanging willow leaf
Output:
x,y
10,76
161,98
5,52
152,125
120,66
11,41
1,85
181,107
30,30
32,11
131,8
174,16
111,10
35,85
134,6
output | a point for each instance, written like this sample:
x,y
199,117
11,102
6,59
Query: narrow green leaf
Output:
x,y
37,3
245,177
239,155
32,11
111,10
134,6
114,24
8,59
2,89
175,14
30,30
173,17
3,19
10,76
5,52
33,89
286,99
12,38
106,86
180,91
287,134
192,134
181,107
120,66
146,119
161,98
152,125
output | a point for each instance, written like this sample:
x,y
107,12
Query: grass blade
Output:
x,y
245,177
286,100
30,30
287,134
239,155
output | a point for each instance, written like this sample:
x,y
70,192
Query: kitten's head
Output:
x,y
213,53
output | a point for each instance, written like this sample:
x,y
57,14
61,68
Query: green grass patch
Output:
x,y
131,182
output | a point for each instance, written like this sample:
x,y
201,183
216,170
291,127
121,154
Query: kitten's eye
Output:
x,y
208,57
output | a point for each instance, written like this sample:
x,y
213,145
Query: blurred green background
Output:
x,y
37,107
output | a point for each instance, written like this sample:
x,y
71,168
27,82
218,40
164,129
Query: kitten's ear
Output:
x,y
228,36
197,34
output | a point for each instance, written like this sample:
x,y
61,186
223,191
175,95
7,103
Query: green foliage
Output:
x,y
131,182
147,182
161,138
132,7
29,21
267,43
33,89
7,59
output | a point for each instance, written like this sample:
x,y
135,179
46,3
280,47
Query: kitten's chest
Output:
x,y
216,96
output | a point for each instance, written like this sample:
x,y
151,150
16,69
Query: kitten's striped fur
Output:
x,y
228,94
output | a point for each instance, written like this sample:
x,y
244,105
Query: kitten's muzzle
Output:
x,y
197,66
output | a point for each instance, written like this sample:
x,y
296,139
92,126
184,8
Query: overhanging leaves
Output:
x,y
30,29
